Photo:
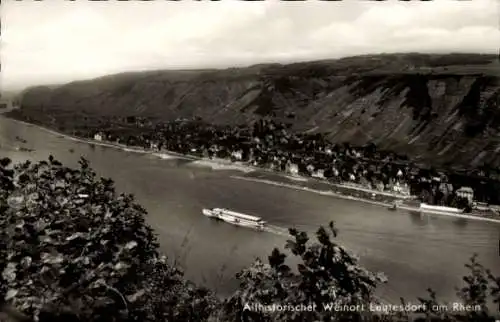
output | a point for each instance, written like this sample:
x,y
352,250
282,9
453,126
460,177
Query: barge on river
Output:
x,y
430,208
235,218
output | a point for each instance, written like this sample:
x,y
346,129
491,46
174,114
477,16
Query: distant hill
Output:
x,y
443,108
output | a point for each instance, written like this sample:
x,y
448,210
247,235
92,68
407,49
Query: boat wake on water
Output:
x,y
253,222
277,230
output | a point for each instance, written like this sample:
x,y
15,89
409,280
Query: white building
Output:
x,y
98,137
293,168
153,146
238,155
466,192
402,189
446,188
319,174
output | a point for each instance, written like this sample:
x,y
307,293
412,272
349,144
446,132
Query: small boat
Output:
x,y
20,139
235,218
23,149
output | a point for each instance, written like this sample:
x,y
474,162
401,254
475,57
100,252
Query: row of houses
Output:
x,y
385,179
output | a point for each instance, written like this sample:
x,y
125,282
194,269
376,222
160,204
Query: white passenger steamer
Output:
x,y
235,218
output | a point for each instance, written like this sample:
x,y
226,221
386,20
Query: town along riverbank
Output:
x,y
270,174
351,190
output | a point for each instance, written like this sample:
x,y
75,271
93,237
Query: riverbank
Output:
x,y
364,200
442,213
321,192
375,197
215,163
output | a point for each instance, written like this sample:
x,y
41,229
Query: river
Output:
x,y
414,251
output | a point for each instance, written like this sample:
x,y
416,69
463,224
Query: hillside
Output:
x,y
436,107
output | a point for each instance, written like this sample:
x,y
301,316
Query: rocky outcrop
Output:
x,y
439,107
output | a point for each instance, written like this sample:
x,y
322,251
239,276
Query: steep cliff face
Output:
x,y
439,107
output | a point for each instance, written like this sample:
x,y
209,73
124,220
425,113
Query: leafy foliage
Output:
x,y
328,277
326,274
70,243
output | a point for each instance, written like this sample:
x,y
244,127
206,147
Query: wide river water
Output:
x,y
414,251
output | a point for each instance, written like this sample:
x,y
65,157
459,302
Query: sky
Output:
x,y
57,41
